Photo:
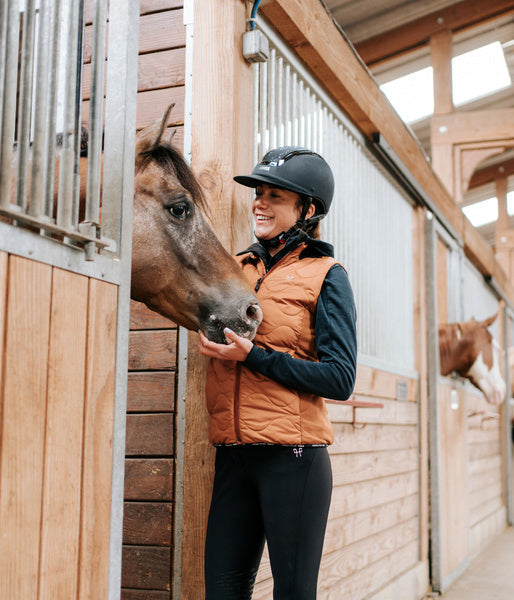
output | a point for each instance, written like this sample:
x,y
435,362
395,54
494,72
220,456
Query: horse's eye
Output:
x,y
180,210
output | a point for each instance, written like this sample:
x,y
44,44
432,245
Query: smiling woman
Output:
x,y
265,400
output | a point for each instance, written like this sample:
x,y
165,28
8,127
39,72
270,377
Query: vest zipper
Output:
x,y
261,279
236,402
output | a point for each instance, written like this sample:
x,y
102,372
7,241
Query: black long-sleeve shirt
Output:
x,y
335,335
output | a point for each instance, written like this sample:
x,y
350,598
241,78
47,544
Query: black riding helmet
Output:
x,y
297,169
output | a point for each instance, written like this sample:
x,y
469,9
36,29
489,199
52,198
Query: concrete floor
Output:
x,y
491,574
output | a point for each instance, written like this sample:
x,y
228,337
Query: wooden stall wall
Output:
x,y
487,502
57,374
147,561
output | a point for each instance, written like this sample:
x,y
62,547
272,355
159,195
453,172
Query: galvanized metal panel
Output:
x,y
47,63
370,222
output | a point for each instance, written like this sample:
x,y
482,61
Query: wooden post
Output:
x,y
442,152
441,55
503,216
221,148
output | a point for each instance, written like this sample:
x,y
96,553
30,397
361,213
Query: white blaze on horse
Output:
x,y
470,350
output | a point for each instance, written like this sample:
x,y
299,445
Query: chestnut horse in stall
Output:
x,y
469,349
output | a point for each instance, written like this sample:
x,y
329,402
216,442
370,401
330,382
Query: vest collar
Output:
x,y
313,248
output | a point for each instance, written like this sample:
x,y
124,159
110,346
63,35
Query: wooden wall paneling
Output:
x,y
157,31
364,495
149,479
150,106
98,436
60,528
454,481
150,568
156,70
151,391
27,331
141,317
150,435
419,283
127,594
155,350
4,259
147,523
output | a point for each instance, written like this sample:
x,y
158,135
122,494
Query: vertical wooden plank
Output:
x,y
23,426
222,117
454,481
442,281
98,436
3,315
63,441
421,362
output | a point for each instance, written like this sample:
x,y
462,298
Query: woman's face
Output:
x,y
275,210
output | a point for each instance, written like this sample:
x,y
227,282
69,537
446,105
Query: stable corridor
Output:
x,y
491,574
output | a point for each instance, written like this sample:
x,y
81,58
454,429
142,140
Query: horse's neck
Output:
x,y
449,338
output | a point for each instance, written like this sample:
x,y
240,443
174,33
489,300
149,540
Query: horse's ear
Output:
x,y
150,137
488,322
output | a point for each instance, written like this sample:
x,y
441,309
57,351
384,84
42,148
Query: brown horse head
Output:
x,y
469,349
179,267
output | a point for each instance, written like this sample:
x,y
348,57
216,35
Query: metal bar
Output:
x,y
67,154
40,115
9,100
507,418
51,116
433,408
272,125
79,60
118,192
25,102
183,334
51,227
3,49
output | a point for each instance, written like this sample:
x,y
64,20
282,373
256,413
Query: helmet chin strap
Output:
x,y
282,238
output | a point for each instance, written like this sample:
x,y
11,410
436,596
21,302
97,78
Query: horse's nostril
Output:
x,y
254,313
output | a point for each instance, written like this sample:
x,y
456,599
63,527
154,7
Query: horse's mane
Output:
x,y
172,161
166,156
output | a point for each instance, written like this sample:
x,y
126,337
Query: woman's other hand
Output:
x,y
237,347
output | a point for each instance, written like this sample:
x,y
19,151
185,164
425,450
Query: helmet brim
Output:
x,y
253,181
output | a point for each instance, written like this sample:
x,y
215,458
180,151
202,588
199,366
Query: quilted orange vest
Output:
x,y
248,408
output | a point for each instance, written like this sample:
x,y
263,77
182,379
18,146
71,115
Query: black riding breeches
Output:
x,y
280,494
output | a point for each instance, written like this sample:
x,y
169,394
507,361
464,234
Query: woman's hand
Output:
x,y
237,348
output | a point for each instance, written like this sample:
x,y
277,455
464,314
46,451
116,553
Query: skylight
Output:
x,y
474,74
486,211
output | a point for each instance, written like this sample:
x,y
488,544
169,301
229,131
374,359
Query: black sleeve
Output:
x,y
336,345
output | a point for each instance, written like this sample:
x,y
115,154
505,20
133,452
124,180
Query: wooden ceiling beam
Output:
x,y
489,174
412,35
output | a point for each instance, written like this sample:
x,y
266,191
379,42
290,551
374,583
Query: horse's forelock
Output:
x,y
172,161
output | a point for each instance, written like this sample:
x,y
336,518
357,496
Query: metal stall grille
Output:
x,y
47,185
370,223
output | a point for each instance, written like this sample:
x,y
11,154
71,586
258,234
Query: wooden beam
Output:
x,y
441,44
418,32
474,126
488,174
